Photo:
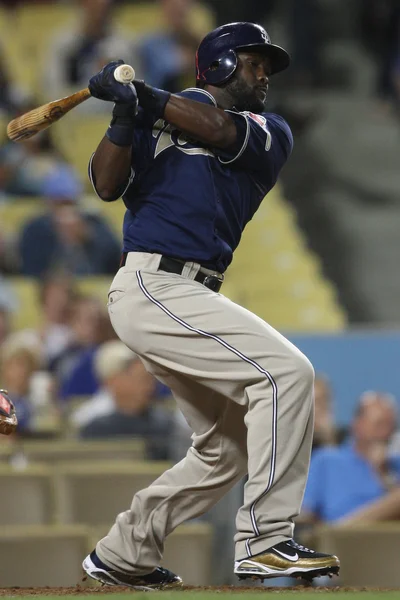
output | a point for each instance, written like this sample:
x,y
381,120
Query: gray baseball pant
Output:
x,y
247,394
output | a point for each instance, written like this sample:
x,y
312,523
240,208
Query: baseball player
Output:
x,y
192,169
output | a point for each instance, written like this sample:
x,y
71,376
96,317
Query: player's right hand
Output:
x,y
104,87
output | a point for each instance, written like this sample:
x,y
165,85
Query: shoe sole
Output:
x,y
106,578
308,574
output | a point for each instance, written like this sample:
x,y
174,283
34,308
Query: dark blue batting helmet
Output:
x,y
216,57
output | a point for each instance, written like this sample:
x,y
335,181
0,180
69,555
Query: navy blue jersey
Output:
x,y
192,202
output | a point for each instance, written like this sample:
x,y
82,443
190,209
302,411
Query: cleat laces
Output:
x,y
300,547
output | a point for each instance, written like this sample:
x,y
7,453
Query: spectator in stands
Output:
x,y
25,167
80,51
11,96
81,379
131,389
85,328
56,296
166,56
359,474
324,420
65,236
19,362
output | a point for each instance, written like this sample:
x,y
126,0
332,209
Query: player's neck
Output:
x,y
221,96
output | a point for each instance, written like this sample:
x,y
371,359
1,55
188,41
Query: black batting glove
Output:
x,y
104,87
151,99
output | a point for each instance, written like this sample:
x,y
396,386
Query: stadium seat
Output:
x,y
376,546
42,556
27,314
26,496
95,492
17,212
78,136
95,286
188,551
275,275
53,452
27,38
3,126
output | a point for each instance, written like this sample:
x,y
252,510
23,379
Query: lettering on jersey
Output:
x,y
169,136
262,122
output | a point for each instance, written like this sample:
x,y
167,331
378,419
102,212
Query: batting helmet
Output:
x,y
216,57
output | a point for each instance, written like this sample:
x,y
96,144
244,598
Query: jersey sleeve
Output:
x,y
264,143
199,95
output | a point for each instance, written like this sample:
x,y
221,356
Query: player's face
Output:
x,y
249,87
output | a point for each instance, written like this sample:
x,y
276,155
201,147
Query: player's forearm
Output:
x,y
111,168
385,509
200,121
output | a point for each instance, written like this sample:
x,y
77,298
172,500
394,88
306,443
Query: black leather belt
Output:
x,y
172,265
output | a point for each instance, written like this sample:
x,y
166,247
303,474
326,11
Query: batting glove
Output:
x,y
104,87
151,99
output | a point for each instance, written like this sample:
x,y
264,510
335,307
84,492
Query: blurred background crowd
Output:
x,y
319,262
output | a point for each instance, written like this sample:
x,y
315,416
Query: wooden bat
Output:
x,y
30,123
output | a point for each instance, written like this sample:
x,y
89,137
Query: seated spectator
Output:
x,y
65,237
20,363
24,167
358,474
166,56
324,420
134,413
81,379
56,296
78,52
85,329
12,96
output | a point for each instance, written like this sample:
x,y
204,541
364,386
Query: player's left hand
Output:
x,y
104,87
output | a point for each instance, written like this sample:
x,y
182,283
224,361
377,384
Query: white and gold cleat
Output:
x,y
287,559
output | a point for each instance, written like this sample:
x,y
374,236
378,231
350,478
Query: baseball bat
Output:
x,y
29,124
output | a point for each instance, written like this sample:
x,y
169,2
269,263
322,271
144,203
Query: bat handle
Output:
x,y
124,74
84,94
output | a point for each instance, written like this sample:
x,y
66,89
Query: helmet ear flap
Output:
x,y
220,69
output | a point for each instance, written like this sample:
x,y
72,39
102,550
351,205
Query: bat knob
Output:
x,y
124,74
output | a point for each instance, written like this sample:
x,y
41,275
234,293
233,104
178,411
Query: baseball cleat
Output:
x,y
287,559
156,580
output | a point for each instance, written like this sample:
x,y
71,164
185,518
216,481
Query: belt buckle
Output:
x,y
212,283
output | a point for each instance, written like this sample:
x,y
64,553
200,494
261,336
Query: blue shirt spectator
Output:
x,y
65,236
361,471
81,380
341,481
165,56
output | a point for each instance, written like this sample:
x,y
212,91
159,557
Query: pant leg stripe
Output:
x,y
256,366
